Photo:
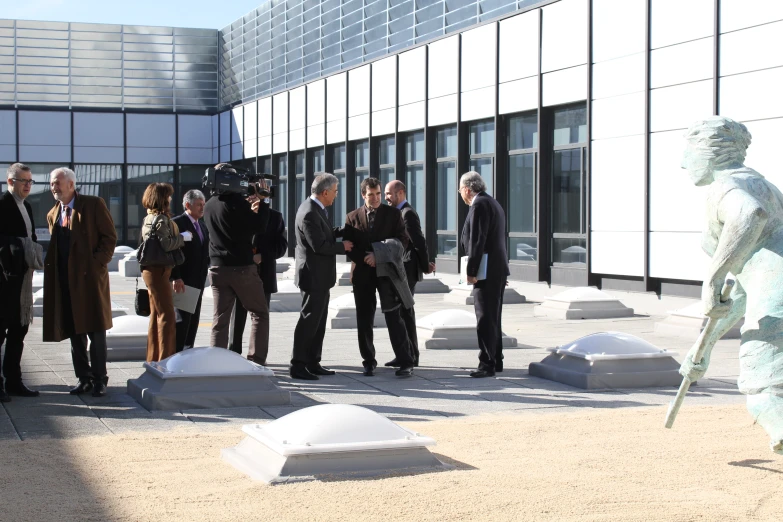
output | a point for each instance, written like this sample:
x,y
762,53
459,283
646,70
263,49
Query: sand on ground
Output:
x,y
618,465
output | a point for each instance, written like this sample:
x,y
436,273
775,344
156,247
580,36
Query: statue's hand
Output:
x,y
693,371
713,306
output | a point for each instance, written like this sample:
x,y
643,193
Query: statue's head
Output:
x,y
715,143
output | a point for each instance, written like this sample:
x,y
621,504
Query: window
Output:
x,y
280,203
338,167
362,167
139,177
414,174
317,164
446,150
569,174
104,181
387,152
522,189
482,151
299,172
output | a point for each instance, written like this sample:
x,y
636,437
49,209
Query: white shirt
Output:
x,y
62,209
317,201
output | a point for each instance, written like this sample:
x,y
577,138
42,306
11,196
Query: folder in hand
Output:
x,y
482,269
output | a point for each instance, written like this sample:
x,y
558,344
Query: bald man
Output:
x,y
416,256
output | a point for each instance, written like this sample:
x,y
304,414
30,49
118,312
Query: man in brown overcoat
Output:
x,y
77,301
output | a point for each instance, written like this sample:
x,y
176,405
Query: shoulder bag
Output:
x,y
152,253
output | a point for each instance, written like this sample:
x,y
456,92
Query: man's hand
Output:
x,y
691,370
370,259
178,285
255,205
472,280
431,268
348,245
257,259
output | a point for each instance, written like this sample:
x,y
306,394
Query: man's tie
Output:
x,y
198,231
371,218
67,218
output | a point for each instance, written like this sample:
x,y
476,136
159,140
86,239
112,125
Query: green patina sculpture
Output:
x,y
744,237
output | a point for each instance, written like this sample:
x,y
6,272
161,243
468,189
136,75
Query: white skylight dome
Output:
x,y
208,361
128,326
611,345
123,249
287,286
451,318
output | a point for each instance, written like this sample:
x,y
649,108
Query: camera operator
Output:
x,y
232,220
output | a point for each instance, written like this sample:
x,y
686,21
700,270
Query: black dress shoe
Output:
x,y
4,397
320,370
482,373
82,387
20,390
416,362
393,363
499,366
369,371
98,389
302,373
405,371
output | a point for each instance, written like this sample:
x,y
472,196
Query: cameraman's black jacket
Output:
x,y
231,225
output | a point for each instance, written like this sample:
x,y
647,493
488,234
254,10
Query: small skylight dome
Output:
x,y
123,249
448,318
208,361
332,440
128,326
611,345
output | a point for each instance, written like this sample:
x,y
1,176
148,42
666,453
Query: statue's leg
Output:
x,y
767,410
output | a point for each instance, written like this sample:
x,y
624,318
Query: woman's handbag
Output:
x,y
142,301
151,252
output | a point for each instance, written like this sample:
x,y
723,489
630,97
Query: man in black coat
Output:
x,y
16,221
270,245
484,233
316,273
374,222
416,257
193,272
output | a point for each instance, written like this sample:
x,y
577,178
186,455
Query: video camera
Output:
x,y
225,178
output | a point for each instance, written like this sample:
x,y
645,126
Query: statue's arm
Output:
x,y
743,220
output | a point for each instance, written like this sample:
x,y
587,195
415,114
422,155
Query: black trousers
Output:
x,y
92,368
488,303
13,334
364,297
186,329
310,329
237,326
409,317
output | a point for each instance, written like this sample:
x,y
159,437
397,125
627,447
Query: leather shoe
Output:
x,y
416,361
302,373
4,397
82,387
393,363
320,370
482,373
20,390
406,371
499,366
98,389
369,371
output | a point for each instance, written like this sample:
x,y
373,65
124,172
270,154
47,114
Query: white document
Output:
x,y
187,300
482,269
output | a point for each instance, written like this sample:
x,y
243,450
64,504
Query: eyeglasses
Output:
x,y
25,181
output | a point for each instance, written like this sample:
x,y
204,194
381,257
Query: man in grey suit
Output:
x,y
316,273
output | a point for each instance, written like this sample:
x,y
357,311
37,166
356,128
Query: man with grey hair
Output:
x,y
316,273
77,300
193,272
16,229
484,242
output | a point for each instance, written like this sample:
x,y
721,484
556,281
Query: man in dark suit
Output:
x,y
270,245
484,232
316,273
16,221
193,272
375,222
416,257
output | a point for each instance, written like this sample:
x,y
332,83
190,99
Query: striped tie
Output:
x,y
67,218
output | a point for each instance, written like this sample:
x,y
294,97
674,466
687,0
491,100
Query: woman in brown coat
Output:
x,y
161,341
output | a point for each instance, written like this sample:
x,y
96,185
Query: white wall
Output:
x,y
7,136
44,136
336,107
316,113
195,139
99,137
265,126
442,81
297,118
237,132
412,89
478,72
563,35
359,103
280,123
151,138
384,96
250,131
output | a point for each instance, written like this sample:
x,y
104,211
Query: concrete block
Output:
x,y
282,266
127,339
330,440
206,378
120,253
129,265
609,360
462,294
342,313
430,284
688,322
287,299
38,279
38,296
582,303
452,329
